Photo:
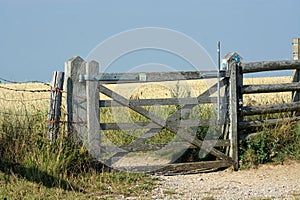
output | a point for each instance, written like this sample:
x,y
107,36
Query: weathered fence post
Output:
x,y
296,74
76,98
55,105
235,101
93,110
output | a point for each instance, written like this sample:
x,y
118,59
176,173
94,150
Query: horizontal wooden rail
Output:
x,y
249,129
267,109
136,77
168,146
180,167
270,66
268,88
166,101
267,122
150,125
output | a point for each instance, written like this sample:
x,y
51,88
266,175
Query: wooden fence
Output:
x,y
83,84
246,128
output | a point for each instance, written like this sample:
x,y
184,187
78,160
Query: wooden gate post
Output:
x,y
93,110
76,99
55,105
296,74
235,101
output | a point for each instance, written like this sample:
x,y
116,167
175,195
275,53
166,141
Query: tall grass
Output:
x,y
32,167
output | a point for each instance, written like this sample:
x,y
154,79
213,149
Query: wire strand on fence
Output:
x,y
21,82
33,91
23,90
39,114
25,114
23,100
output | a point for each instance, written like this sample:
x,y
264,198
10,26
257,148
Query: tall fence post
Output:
x,y
296,74
76,105
55,105
235,100
93,110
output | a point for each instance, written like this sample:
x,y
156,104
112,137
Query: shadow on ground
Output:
x,y
33,174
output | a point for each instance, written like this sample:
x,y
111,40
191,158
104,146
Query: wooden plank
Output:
x,y
55,105
225,112
267,109
252,131
156,147
270,66
128,126
182,168
167,101
267,88
149,125
233,112
75,99
254,126
267,122
195,166
135,77
93,112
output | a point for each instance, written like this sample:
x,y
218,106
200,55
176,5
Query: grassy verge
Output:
x,y
83,186
33,168
271,144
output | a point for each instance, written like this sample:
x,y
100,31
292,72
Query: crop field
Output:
x,y
22,97
16,100
32,167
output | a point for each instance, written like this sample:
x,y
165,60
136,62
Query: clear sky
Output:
x,y
38,36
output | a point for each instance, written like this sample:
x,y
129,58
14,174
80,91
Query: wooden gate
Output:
x,y
84,84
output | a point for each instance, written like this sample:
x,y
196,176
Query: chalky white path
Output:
x,y
268,181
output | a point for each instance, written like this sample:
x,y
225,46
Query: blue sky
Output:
x,y
38,36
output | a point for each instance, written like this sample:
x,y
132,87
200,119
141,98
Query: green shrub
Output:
x,y
272,144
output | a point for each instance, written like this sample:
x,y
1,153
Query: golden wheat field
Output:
x,y
20,97
26,100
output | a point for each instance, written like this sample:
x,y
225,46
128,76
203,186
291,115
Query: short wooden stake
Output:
x,y
55,105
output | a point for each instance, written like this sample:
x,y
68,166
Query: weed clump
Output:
x,y
272,144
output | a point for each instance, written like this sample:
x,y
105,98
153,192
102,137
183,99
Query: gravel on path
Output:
x,y
267,181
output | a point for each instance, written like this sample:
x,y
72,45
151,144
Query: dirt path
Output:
x,y
268,181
